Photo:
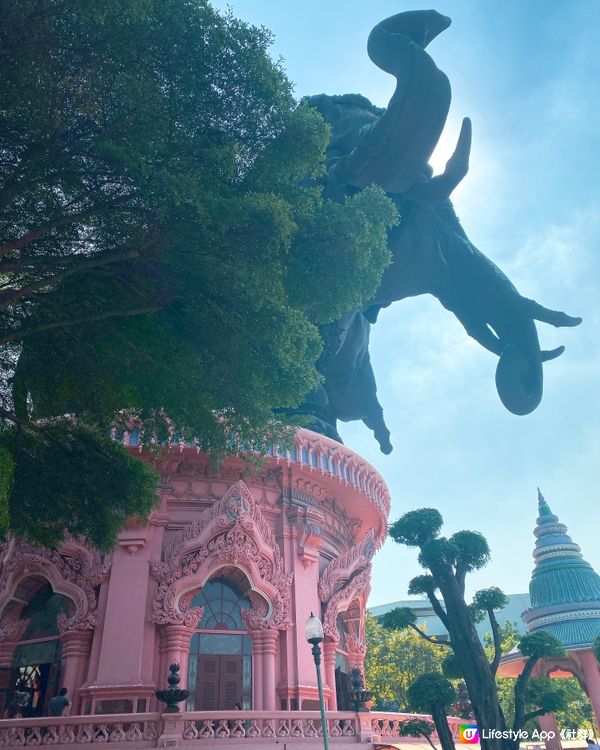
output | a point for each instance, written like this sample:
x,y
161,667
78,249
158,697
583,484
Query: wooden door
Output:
x,y
207,683
219,682
231,682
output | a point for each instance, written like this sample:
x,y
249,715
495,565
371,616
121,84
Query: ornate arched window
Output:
x,y
220,665
32,677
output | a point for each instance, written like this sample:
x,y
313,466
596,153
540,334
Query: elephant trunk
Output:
x,y
519,374
394,152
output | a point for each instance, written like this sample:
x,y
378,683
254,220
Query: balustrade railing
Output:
x,y
132,731
389,725
267,725
117,729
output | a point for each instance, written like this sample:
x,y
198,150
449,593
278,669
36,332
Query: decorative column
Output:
x,y
592,680
175,639
269,650
329,649
257,669
76,646
548,724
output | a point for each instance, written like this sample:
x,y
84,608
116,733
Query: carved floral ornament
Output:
x,y
348,564
73,570
357,588
233,531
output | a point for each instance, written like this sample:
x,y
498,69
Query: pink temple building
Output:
x,y
221,579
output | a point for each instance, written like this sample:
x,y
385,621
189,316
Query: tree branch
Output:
x,y
86,262
534,714
437,608
18,335
25,424
38,232
520,688
431,639
497,641
428,738
461,575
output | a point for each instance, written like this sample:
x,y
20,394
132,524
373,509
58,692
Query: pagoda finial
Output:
x,y
543,507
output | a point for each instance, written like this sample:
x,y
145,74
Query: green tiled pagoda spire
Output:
x,y
564,588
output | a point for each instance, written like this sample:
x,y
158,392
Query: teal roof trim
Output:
x,y
562,584
574,633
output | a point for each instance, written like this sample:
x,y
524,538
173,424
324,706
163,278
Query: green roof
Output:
x,y
564,588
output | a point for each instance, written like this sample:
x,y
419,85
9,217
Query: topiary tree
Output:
x,y
432,693
418,728
448,561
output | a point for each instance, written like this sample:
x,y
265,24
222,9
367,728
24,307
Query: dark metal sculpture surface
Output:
x,y
430,250
358,695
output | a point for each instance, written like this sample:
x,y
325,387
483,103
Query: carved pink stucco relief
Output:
x,y
343,568
231,532
73,570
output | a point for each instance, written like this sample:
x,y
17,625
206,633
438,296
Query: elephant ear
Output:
x,y
394,152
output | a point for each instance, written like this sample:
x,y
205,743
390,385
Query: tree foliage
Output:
x,y
164,249
394,660
433,693
541,644
418,728
417,527
431,689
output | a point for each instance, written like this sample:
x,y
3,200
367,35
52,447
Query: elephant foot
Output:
x,y
519,381
554,318
562,320
381,433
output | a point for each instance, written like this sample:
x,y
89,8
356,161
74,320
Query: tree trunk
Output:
x,y
478,675
438,714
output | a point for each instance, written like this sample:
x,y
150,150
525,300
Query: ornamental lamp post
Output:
x,y
314,635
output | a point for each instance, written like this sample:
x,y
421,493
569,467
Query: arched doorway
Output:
x,y
342,668
32,677
347,653
220,662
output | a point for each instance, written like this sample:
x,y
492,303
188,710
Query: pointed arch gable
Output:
x,y
231,532
358,588
72,570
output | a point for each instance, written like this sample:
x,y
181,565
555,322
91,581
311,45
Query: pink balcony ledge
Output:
x,y
251,730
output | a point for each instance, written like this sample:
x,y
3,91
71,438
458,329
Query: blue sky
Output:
x,y
528,74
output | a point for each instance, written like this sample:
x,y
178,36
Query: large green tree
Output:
x,y
448,562
394,660
165,252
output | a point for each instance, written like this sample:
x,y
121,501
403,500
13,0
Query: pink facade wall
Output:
x,y
299,534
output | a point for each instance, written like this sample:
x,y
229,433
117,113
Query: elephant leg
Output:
x,y
377,424
373,418
555,318
481,332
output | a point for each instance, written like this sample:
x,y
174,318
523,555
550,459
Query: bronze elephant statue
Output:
x,y
431,253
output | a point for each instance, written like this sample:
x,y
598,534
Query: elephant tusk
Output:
x,y
547,355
